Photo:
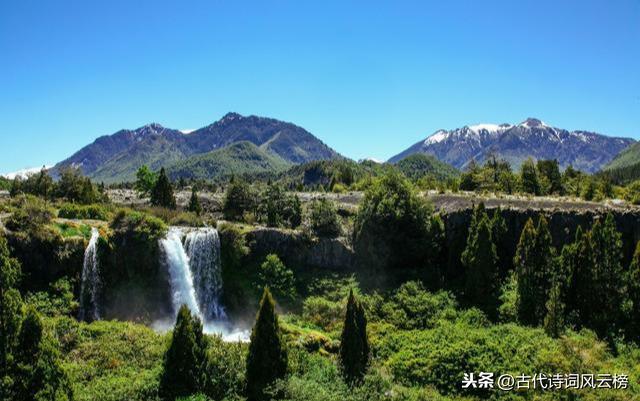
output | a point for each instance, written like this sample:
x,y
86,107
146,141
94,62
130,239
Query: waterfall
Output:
x,y
203,248
181,279
90,284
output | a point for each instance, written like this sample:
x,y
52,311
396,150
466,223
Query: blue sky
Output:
x,y
368,78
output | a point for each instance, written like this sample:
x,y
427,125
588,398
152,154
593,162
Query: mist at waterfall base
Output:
x,y
192,256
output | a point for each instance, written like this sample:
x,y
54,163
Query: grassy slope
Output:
x,y
627,157
241,158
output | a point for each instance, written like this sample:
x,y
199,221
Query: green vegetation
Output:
x,y
277,277
162,192
418,166
72,186
194,203
267,359
395,228
145,181
241,159
323,218
185,359
354,342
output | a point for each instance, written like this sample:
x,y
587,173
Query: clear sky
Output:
x,y
368,78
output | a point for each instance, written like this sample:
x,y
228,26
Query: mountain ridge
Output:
x,y
584,150
116,157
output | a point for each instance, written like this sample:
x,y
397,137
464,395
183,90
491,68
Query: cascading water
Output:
x,y
203,248
90,284
196,279
181,279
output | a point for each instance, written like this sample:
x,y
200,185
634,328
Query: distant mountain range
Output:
x,y
241,145
117,157
586,151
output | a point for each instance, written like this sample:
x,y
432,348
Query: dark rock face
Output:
x,y
562,224
298,251
586,151
117,157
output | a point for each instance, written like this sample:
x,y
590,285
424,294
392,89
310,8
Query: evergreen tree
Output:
x,y
554,320
39,374
481,265
529,177
267,359
354,342
162,192
502,242
183,361
606,286
194,203
535,267
633,281
239,199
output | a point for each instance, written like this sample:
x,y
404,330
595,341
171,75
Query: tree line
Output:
x,y
189,370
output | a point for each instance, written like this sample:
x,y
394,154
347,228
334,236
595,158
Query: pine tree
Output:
x,y
525,270
502,242
529,177
554,320
194,203
606,284
162,192
481,265
354,343
633,281
183,361
267,359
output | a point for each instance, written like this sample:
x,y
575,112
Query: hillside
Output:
x,y
418,165
240,158
586,151
116,158
626,158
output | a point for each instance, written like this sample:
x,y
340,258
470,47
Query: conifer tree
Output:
x,y
554,320
529,177
194,203
162,192
354,343
267,358
606,286
480,261
503,248
181,374
39,374
535,267
634,294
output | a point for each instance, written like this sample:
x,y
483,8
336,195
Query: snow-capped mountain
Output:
x,y
25,173
583,150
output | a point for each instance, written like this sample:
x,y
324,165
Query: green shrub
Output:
x,y
91,212
323,218
30,214
275,275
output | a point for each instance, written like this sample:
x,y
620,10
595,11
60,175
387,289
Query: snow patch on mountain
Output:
x,y
25,172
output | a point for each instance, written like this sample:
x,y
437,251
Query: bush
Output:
x,y
91,212
275,275
31,214
279,209
323,218
238,199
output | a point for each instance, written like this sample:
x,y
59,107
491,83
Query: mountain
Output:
x,y
239,158
583,150
628,157
418,165
117,157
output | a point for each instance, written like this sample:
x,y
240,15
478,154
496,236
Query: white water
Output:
x,y
181,280
90,284
203,249
196,280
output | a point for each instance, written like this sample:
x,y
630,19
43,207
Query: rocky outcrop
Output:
x,y
298,250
